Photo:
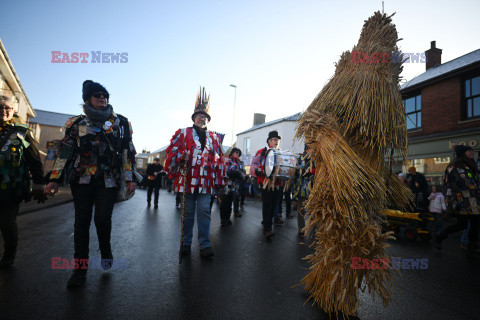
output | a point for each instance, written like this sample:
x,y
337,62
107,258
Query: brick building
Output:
x,y
443,109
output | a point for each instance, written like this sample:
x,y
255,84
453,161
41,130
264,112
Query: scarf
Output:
x,y
97,117
202,135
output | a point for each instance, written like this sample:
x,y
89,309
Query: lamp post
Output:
x,y
234,102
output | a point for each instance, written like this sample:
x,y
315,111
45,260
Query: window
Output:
x,y
442,160
413,109
418,162
472,97
247,145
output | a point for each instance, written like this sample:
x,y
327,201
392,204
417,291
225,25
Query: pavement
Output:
x,y
249,277
64,195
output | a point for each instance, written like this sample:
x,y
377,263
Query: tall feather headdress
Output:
x,y
202,105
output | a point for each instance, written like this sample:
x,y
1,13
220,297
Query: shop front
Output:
x,y
430,155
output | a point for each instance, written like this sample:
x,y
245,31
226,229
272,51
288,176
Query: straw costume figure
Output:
x,y
354,126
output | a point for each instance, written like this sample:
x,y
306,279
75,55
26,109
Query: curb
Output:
x,y
21,212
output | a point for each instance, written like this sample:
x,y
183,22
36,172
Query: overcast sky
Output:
x,y
278,53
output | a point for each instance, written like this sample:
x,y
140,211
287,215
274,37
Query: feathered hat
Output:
x,y
202,105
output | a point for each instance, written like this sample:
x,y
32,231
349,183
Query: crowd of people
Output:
x,y
97,158
458,198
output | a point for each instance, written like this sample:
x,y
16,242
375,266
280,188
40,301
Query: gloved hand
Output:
x,y
38,194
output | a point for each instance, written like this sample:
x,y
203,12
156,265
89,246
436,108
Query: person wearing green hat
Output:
x,y
463,197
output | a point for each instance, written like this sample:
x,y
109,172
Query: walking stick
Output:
x,y
185,171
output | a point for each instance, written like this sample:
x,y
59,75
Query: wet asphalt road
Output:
x,y
248,279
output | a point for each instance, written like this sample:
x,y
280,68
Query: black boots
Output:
x,y
78,278
8,259
206,253
107,257
185,250
437,240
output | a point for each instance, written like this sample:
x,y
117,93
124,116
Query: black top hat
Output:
x,y
236,150
273,134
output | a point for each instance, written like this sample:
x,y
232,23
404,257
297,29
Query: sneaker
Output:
x,y
7,261
155,206
185,250
277,221
78,278
237,214
107,260
206,252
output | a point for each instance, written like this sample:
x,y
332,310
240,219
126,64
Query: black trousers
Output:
x,y
84,197
226,206
269,202
242,192
178,198
462,224
8,226
153,187
288,200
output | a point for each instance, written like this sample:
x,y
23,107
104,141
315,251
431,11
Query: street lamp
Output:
x,y
234,102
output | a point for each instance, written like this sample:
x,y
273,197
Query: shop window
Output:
x,y
442,160
472,97
413,109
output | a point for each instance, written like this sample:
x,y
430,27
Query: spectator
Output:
x,y
436,208
419,186
463,197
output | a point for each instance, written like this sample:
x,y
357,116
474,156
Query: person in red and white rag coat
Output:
x,y
200,152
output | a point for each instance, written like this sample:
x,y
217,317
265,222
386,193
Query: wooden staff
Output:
x,y
185,171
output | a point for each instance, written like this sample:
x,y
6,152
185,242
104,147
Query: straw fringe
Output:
x,y
355,123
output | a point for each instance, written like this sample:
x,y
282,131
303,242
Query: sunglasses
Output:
x,y
6,108
98,95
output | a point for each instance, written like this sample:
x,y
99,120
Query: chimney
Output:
x,y
434,56
258,118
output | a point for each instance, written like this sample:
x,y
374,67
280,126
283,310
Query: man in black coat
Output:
x,y
154,173
419,186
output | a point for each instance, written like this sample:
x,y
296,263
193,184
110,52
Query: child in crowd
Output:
x,y
437,206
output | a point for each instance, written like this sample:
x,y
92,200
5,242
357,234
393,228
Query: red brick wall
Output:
x,y
442,108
